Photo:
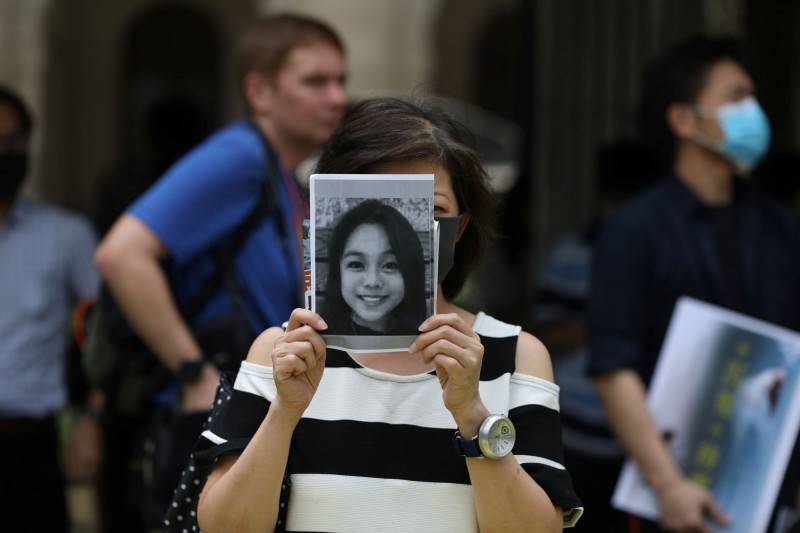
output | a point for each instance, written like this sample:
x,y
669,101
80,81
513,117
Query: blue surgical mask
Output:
x,y
746,133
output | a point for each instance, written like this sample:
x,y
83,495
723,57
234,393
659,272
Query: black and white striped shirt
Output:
x,y
374,451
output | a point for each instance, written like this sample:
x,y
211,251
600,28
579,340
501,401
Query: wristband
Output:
x,y
190,372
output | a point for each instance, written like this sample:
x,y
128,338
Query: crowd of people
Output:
x,y
196,351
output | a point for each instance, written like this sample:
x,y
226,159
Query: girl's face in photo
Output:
x,y
372,284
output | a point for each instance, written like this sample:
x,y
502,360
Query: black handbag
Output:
x,y
181,514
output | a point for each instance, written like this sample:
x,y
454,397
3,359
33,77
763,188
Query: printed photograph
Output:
x,y
372,258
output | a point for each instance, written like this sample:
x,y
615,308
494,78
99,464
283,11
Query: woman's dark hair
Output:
x,y
679,75
378,131
405,244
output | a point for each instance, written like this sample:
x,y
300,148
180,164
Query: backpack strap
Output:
x,y
224,275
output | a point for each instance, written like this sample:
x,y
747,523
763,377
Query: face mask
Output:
x,y
745,131
12,173
448,230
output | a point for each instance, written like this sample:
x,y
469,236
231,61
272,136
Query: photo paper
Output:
x,y
372,258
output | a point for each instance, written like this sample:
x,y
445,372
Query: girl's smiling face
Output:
x,y
371,281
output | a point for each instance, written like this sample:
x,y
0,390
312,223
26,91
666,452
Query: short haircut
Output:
x,y
410,258
264,46
623,168
679,75
11,98
379,131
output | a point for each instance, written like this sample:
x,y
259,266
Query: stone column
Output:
x,y
21,64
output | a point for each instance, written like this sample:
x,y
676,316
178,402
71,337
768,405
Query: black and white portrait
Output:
x,y
372,258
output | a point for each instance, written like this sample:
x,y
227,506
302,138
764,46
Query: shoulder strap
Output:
x,y
268,205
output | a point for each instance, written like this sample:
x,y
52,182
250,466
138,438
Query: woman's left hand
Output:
x,y
450,344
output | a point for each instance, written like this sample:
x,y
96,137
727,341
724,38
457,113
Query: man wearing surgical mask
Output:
x,y
45,269
699,232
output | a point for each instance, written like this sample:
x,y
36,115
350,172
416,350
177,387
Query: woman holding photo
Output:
x,y
376,280
460,433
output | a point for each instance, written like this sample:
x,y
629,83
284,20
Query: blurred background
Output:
x,y
121,87
543,84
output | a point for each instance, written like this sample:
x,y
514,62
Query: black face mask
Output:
x,y
12,173
448,230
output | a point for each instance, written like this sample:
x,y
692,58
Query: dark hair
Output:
x,y
679,74
378,131
15,101
264,46
405,243
624,168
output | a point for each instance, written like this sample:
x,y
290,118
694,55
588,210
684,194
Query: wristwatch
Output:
x,y
494,440
190,371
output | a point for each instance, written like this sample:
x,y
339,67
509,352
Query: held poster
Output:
x,y
726,398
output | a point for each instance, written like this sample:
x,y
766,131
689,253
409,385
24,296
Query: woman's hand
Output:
x,y
298,360
450,344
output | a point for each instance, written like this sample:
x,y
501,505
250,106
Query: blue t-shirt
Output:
x,y
201,201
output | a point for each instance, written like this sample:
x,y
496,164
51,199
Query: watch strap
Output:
x,y
466,447
190,371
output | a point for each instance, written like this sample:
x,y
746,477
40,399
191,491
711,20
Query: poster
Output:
x,y
726,398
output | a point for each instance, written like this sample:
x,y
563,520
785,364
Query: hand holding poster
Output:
x,y
726,397
372,258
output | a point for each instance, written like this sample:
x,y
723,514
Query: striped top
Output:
x,y
374,451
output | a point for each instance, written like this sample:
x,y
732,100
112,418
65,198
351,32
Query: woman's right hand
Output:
x,y
298,360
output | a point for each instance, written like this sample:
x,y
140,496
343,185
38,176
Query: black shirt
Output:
x,y
666,244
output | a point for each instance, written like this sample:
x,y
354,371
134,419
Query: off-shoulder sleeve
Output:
x,y
534,410
231,426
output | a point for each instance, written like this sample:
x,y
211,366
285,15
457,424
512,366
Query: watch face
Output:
x,y
499,437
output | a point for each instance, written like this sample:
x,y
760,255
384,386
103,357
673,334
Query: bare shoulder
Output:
x,y
532,357
261,349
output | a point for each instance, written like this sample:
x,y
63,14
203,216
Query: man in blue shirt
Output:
x,y
291,76
292,72
45,269
699,232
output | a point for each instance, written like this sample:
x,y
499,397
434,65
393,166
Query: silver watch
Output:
x,y
494,440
